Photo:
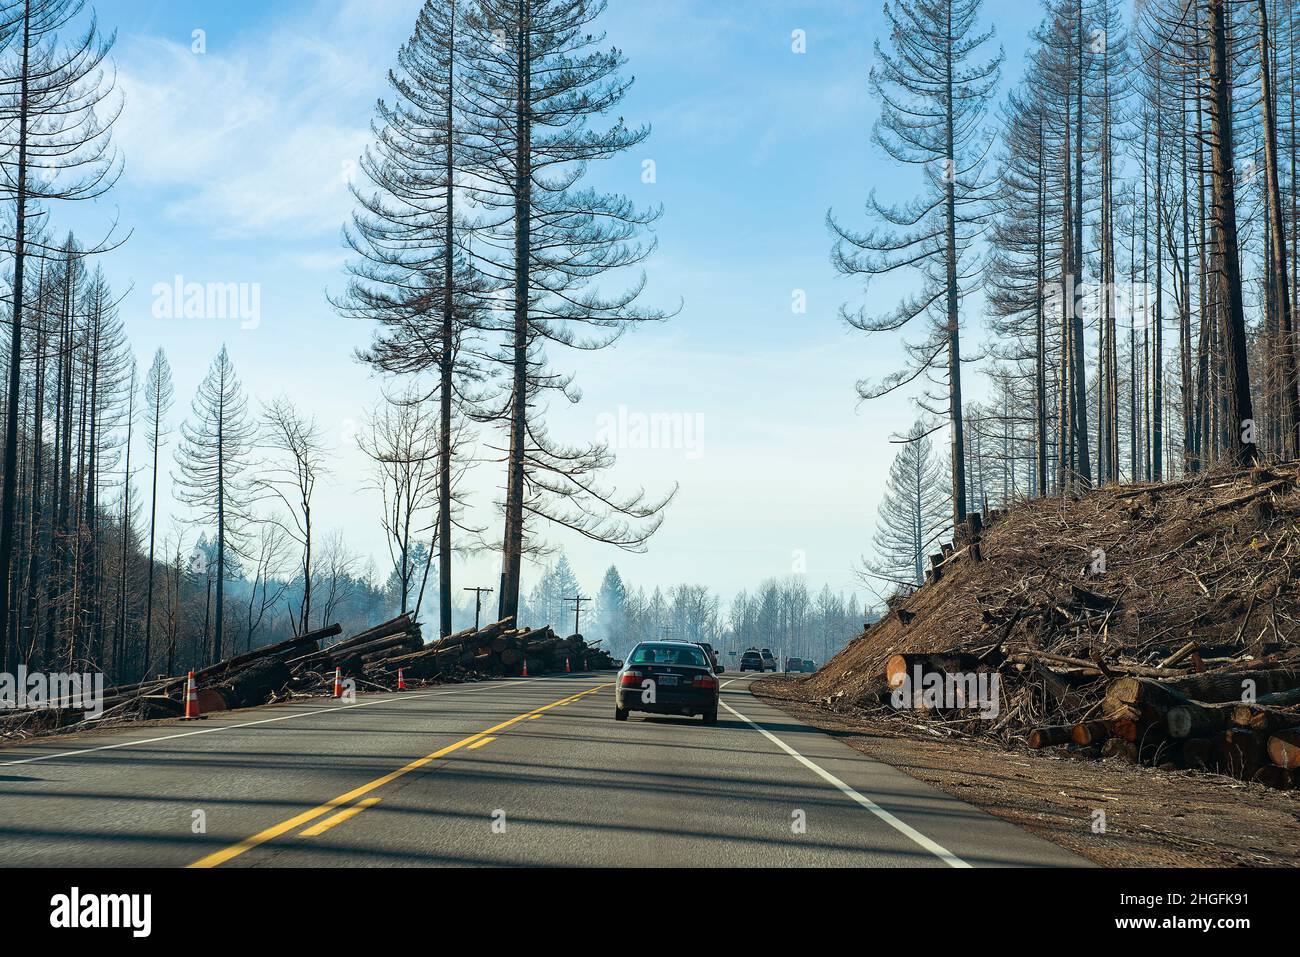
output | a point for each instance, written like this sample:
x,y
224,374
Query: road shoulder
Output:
x,y
1152,818
951,830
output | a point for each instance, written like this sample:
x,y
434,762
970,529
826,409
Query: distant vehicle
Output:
x,y
751,661
794,665
668,677
769,660
809,666
713,655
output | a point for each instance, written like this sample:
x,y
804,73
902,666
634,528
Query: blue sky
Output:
x,y
236,166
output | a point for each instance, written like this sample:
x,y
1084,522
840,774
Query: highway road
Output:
x,y
517,772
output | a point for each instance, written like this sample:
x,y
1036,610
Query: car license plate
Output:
x,y
667,680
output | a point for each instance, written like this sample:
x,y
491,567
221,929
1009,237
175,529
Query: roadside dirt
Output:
x,y
1153,818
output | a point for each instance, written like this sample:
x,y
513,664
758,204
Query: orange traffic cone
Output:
x,y
401,680
525,674
338,682
567,669
191,699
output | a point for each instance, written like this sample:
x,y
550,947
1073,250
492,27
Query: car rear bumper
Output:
x,y
687,702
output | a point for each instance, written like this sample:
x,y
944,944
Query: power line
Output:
x,y
478,602
577,610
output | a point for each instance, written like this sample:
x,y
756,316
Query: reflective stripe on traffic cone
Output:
x,y
338,682
401,680
191,698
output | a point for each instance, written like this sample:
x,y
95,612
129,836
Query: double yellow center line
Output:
x,y
218,858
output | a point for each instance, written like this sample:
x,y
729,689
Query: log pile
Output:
x,y
357,656
243,681
306,666
1236,716
497,650
1157,624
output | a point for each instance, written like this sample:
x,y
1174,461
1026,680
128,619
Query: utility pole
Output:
x,y
478,602
577,610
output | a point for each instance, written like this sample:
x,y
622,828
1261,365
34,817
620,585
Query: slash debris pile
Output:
x,y
304,667
1153,623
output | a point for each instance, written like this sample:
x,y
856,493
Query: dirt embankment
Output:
x,y
1133,572
1163,585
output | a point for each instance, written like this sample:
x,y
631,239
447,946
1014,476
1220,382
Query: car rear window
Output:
x,y
668,655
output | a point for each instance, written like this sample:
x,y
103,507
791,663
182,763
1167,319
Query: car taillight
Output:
x,y
630,679
705,683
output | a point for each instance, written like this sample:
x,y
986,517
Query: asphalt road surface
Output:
x,y
514,772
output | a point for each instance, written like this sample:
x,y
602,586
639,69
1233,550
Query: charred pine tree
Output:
x,y
1015,273
57,147
1239,431
551,252
933,94
213,472
158,397
1277,245
414,271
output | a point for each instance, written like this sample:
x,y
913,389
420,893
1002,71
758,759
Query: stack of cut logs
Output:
x,y
302,666
244,681
360,656
501,649
1239,717
1240,721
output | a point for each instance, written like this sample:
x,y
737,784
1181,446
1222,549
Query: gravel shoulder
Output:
x,y
1153,818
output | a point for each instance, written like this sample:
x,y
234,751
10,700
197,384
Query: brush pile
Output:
x,y
306,666
1155,623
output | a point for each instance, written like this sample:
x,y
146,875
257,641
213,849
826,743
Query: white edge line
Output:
x,y
938,850
249,724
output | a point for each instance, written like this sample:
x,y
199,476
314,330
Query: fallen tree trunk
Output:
x,y
1130,696
1049,737
1284,748
1239,752
1089,732
1280,699
284,648
1145,671
403,641
904,666
1196,720
1224,685
1261,717
255,684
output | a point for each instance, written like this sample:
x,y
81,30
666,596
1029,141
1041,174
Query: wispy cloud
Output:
x,y
258,139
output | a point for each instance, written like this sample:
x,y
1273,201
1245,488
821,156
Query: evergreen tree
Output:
x,y
913,514
214,477
611,607
552,252
933,93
